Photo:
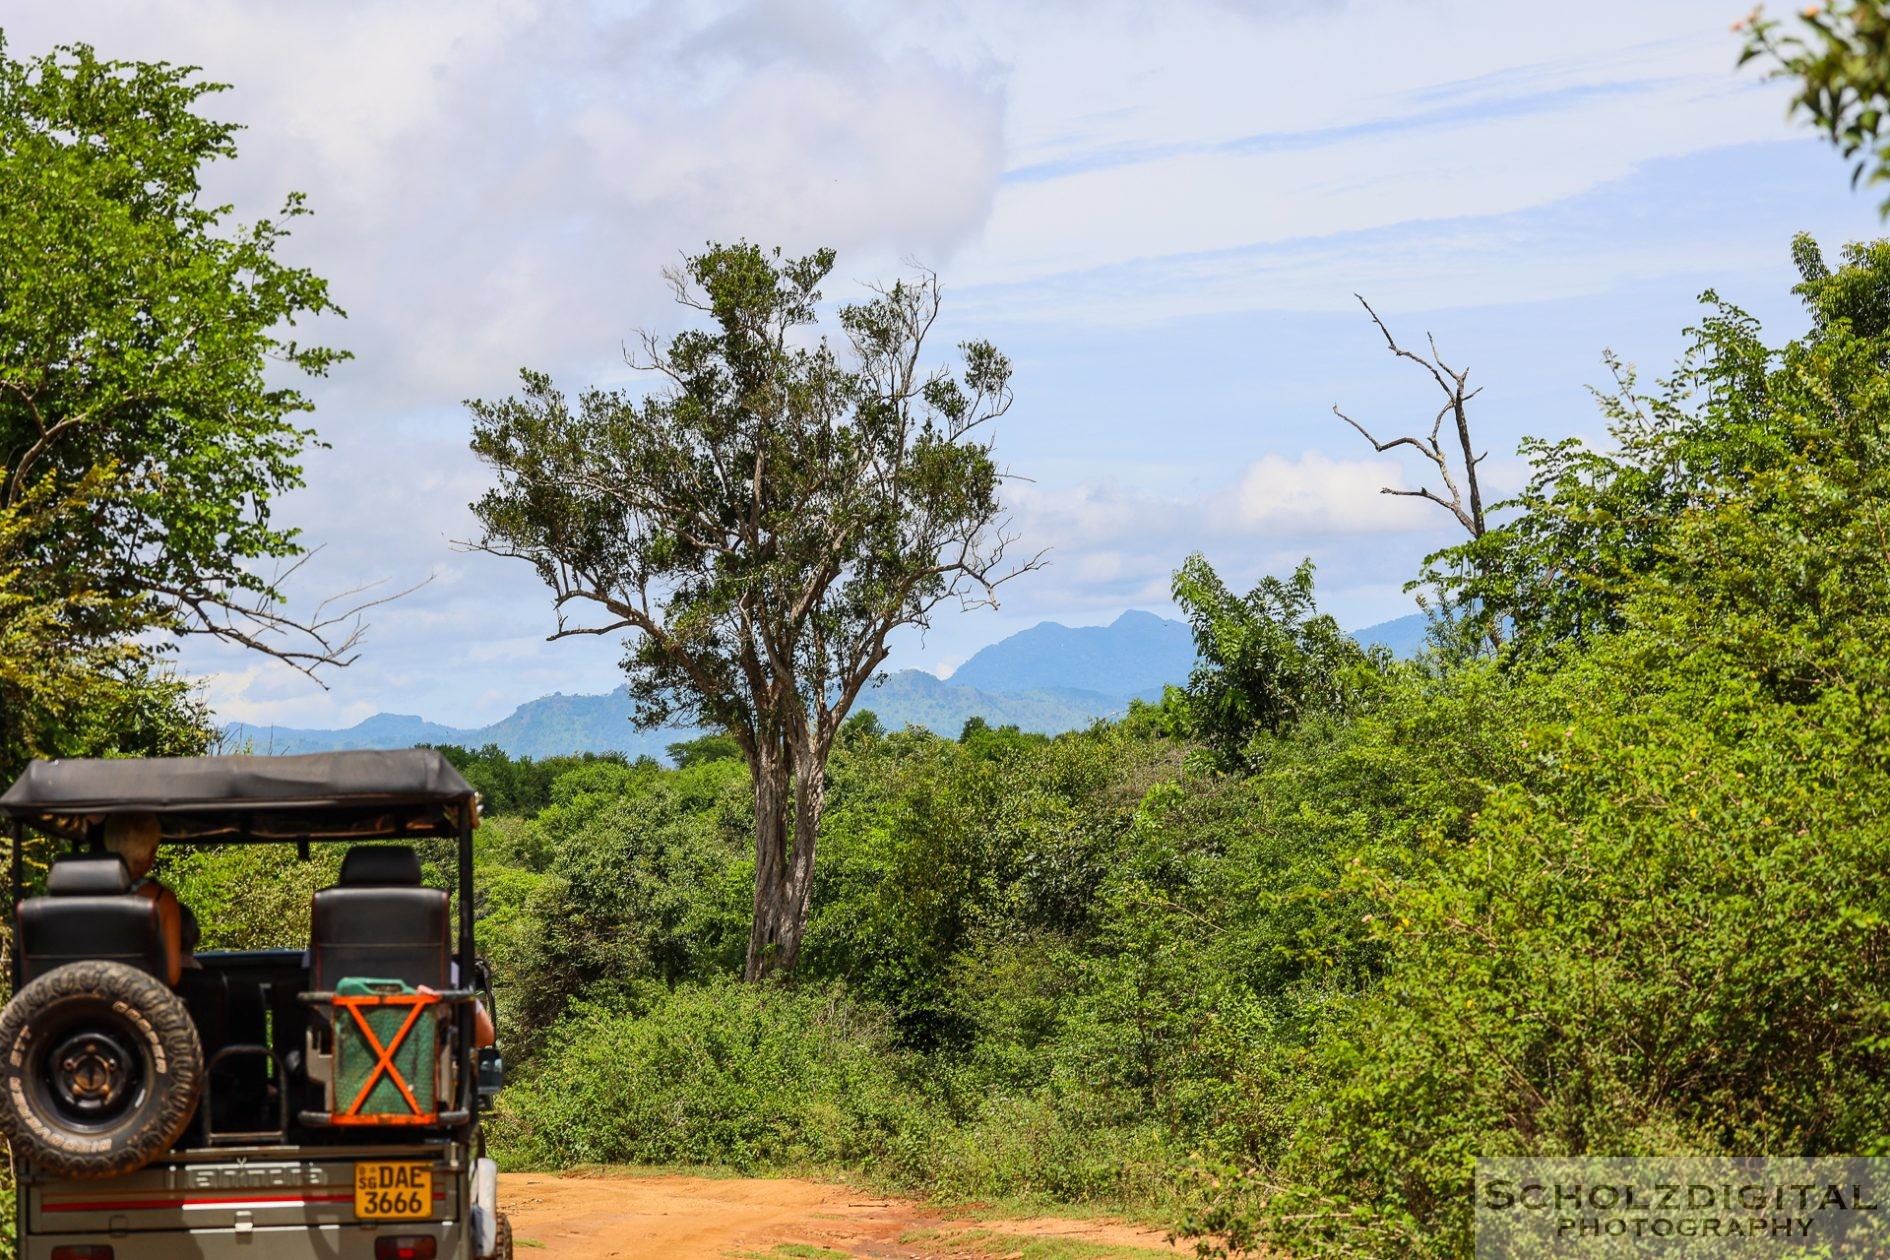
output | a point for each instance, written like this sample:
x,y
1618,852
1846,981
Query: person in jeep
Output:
x,y
134,838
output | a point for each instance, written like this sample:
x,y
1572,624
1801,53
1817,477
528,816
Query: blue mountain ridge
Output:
x,y
1049,678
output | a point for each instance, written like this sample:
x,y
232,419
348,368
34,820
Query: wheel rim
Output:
x,y
89,1078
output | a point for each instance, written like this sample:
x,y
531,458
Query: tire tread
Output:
x,y
156,1125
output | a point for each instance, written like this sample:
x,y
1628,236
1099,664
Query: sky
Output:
x,y
1160,211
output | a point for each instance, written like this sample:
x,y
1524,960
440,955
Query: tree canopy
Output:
x,y
1593,525
144,427
138,328
1267,659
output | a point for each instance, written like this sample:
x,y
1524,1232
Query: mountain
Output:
x,y
913,697
1403,635
1048,678
544,727
555,724
1136,653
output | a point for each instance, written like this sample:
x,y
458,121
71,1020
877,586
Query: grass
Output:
x,y
710,1172
989,1244
792,1251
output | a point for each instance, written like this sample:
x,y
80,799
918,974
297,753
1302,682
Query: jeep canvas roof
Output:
x,y
358,794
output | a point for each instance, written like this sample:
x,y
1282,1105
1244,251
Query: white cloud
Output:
x,y
500,184
1315,494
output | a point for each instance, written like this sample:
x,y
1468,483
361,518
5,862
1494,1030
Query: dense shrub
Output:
x,y
748,1076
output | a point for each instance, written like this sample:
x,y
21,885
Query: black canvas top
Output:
x,y
356,794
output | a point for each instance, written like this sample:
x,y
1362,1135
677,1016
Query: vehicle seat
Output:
x,y
379,922
90,914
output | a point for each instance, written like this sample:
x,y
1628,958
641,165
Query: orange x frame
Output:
x,y
384,1057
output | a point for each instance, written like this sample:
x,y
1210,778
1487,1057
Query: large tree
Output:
x,y
142,357
761,522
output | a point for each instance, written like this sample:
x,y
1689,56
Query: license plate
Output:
x,y
393,1192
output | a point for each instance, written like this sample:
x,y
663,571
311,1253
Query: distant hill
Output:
x,y
1403,635
1136,653
544,727
555,724
1049,678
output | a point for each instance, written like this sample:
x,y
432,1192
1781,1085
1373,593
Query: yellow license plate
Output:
x,y
393,1192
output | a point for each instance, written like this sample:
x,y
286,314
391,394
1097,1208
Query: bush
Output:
x,y
748,1076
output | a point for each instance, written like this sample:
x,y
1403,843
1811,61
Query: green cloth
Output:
x,y
356,1059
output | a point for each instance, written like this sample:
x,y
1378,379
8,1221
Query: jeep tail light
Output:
x,y
84,1251
398,1247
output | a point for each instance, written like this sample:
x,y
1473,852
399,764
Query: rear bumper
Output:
x,y
246,1204
264,1242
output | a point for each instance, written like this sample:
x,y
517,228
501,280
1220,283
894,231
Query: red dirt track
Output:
x,y
707,1218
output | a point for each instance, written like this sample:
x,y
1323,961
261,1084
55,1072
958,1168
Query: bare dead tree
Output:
x,y
1465,495
1462,494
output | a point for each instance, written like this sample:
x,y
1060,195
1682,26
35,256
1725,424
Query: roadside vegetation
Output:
x,y
1281,955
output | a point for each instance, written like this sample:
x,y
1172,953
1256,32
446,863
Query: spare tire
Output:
x,y
100,1068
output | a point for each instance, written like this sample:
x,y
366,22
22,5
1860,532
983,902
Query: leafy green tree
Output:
x,y
1593,523
704,749
1839,54
137,326
637,868
761,523
1267,659
74,677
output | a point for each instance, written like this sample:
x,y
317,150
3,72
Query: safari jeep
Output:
x,y
277,1104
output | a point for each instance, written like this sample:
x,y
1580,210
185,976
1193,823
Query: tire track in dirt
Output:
x,y
633,1217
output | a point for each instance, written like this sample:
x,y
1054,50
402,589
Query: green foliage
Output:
x,y
1592,526
868,475
140,443
1268,659
510,785
135,332
750,1076
1634,950
704,749
74,678
1839,54
249,896
1633,944
634,878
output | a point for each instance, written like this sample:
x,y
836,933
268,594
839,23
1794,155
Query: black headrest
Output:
x,y
380,864
94,876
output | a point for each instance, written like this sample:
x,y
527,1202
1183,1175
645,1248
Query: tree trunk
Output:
x,y
784,858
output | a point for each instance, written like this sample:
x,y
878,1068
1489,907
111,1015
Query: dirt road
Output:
x,y
705,1218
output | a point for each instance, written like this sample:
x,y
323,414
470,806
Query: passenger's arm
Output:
x,y
485,1032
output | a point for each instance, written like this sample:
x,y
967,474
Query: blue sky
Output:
x,y
1159,210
